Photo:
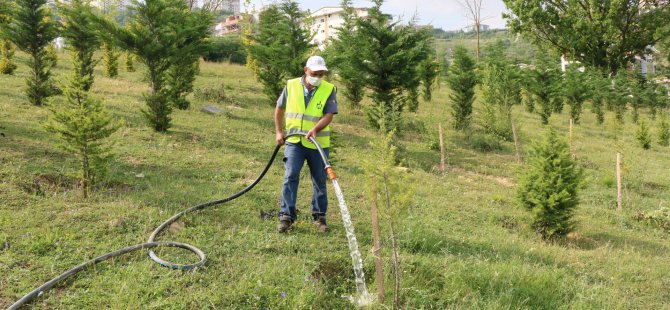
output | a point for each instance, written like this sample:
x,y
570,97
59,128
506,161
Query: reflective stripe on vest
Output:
x,y
302,119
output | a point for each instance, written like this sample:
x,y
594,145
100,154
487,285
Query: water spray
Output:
x,y
363,298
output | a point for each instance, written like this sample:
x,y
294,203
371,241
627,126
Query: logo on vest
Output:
x,y
319,105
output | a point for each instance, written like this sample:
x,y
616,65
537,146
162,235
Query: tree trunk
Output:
x,y
396,267
376,246
517,143
477,41
86,171
442,160
394,244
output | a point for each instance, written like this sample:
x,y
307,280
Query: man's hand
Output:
x,y
280,138
311,133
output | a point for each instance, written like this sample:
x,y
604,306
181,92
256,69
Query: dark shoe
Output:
x,y
283,226
321,225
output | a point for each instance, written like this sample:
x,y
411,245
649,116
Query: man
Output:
x,y
308,103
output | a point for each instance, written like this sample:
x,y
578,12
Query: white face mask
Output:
x,y
314,81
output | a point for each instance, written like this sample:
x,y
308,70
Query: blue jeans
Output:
x,y
294,158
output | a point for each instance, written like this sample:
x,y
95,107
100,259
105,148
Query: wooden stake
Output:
x,y
618,181
571,122
376,246
517,144
572,153
442,160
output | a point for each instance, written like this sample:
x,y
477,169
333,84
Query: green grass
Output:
x,y
518,47
464,244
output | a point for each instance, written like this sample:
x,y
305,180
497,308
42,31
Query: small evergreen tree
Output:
x,y
575,91
280,48
526,94
663,131
549,187
661,98
110,53
7,65
342,54
392,187
110,60
51,58
429,73
423,44
154,35
642,97
621,91
542,82
642,135
130,62
185,62
81,123
462,81
32,29
501,89
390,62
600,89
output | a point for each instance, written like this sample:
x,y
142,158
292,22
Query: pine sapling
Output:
x,y
462,81
643,136
389,186
110,60
549,187
130,62
32,29
81,123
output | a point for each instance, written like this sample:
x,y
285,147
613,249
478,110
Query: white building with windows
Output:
x,y
326,22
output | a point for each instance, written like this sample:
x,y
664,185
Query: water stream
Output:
x,y
364,298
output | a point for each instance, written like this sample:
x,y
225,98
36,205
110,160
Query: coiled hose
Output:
x,y
150,244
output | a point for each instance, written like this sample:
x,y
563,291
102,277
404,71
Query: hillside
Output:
x,y
464,243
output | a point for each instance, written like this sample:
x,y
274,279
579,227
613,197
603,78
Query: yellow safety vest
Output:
x,y
302,119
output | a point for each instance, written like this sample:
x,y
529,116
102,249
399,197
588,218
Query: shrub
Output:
x,y
659,218
211,93
485,143
549,186
226,49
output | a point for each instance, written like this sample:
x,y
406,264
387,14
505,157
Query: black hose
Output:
x,y
150,244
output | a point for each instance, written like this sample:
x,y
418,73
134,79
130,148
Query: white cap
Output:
x,y
316,63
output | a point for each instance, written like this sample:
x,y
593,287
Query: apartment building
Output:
x,y
326,22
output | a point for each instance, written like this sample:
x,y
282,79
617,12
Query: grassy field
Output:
x,y
464,244
518,48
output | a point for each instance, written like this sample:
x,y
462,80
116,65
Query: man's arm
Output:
x,y
323,122
279,119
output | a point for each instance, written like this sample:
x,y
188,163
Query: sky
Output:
x,y
445,14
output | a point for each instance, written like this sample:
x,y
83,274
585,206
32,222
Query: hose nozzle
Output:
x,y
331,173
